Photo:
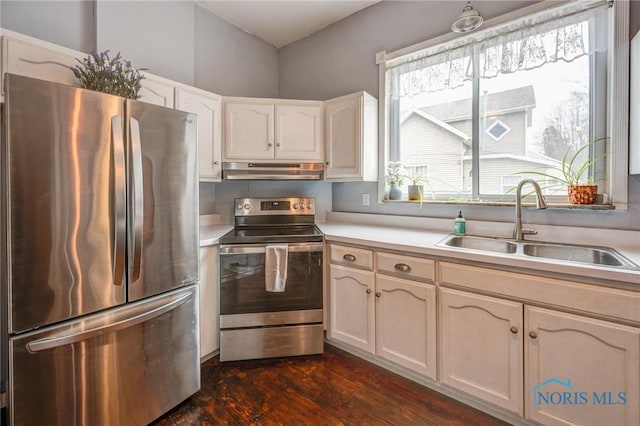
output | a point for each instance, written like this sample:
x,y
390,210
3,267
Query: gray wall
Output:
x,y
177,40
174,39
226,191
67,23
156,35
228,61
341,59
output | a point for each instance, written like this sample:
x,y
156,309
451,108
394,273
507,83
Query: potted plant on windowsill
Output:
x,y
418,183
574,174
394,179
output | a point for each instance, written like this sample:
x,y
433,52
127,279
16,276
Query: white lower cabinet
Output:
x,y
209,323
577,370
406,324
352,317
387,316
580,371
481,347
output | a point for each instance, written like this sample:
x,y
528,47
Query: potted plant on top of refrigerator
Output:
x,y
114,76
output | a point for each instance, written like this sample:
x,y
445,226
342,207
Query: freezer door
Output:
x,y
163,199
127,366
64,192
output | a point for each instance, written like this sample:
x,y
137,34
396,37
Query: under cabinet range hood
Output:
x,y
272,171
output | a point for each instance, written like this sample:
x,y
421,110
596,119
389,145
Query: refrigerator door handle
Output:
x,y
138,200
66,338
119,235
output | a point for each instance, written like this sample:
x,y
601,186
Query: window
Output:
x,y
497,130
510,181
501,102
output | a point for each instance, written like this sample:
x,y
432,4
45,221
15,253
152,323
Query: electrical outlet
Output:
x,y
365,199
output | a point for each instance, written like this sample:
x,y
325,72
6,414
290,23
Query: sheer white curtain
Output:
x,y
554,35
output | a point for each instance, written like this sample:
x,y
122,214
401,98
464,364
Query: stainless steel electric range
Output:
x,y
271,280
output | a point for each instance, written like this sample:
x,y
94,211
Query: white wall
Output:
x,y
341,59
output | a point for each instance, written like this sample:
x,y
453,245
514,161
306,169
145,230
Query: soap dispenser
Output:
x,y
459,224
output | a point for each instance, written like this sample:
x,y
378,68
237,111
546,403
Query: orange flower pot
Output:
x,y
583,194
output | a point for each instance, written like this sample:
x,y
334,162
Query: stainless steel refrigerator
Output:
x,y
99,256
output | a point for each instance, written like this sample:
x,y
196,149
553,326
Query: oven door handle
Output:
x,y
262,248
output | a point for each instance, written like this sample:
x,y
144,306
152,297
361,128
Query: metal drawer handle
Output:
x,y
533,334
368,291
402,267
514,329
349,258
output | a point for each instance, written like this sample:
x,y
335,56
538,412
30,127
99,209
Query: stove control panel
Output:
x,y
274,206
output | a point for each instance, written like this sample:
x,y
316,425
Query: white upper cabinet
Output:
x,y
248,131
38,60
352,138
299,132
271,129
208,107
157,91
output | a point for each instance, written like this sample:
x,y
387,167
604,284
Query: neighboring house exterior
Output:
x,y
438,138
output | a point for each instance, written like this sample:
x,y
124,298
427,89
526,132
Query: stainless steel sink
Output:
x,y
480,243
592,255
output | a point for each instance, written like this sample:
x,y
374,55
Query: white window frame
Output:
x,y
617,121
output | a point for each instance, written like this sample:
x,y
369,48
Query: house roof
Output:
x,y
518,99
466,139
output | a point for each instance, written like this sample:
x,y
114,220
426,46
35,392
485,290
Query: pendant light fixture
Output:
x,y
469,20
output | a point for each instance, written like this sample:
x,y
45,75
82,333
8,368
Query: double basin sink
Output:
x,y
591,255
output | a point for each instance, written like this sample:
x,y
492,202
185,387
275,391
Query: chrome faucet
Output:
x,y
518,231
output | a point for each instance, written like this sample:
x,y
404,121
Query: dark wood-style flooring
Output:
x,y
336,388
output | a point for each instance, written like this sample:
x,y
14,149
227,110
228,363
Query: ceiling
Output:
x,y
282,22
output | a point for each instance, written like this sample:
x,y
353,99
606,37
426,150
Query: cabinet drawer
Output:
x,y
351,256
409,267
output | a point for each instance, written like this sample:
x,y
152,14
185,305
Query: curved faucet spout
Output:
x,y
518,231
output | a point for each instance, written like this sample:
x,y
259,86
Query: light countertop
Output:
x,y
210,234
211,229
421,235
376,232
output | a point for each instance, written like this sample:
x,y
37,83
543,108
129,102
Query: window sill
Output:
x,y
506,204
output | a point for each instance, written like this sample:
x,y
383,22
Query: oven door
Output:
x,y
243,287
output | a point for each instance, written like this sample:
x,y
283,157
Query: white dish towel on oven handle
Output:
x,y
275,267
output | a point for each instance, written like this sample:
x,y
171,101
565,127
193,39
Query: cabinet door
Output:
x,y
209,325
156,91
581,371
406,324
299,133
208,108
352,307
344,138
38,62
481,347
248,131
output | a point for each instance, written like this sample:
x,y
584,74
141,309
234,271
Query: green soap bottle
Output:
x,y
459,224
